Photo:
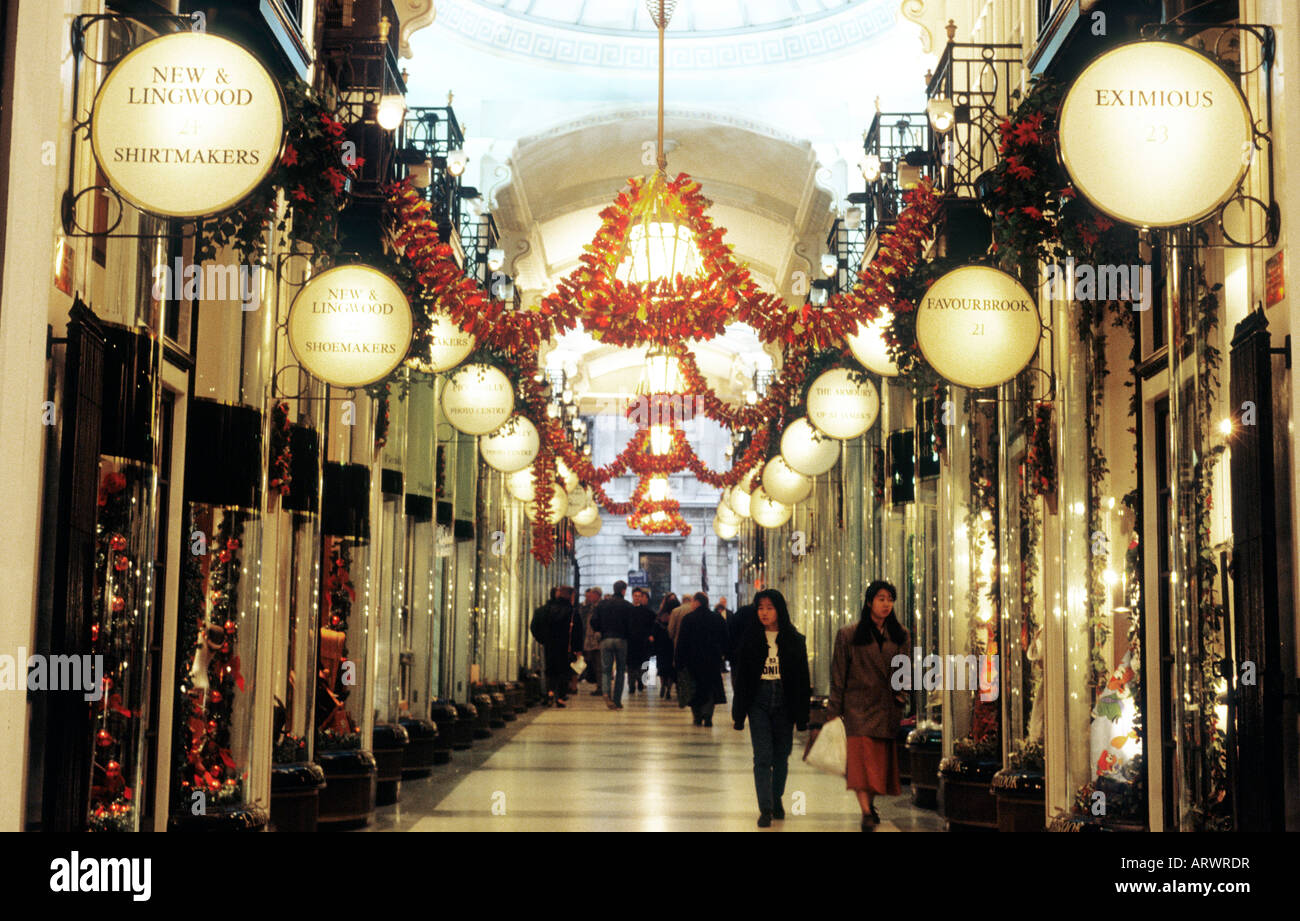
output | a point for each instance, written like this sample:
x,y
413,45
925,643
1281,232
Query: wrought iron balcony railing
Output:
x,y
978,82
896,147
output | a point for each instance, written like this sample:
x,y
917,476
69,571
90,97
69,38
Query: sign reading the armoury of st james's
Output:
x,y
841,406
187,125
977,327
1155,134
350,326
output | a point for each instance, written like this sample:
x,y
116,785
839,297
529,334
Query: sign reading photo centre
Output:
x,y
1155,134
977,327
187,125
350,326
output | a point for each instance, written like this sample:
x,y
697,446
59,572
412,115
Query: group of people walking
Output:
x,y
771,682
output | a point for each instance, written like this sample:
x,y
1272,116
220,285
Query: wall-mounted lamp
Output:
x,y
496,258
941,113
457,160
853,218
392,109
871,167
830,264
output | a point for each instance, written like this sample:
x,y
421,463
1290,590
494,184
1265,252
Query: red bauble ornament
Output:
x,y
103,738
117,542
230,626
216,697
113,769
122,563
119,604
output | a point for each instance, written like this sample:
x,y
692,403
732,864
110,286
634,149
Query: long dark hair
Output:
x,y
783,622
670,601
867,632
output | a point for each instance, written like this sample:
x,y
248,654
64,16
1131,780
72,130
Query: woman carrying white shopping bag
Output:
x,y
862,696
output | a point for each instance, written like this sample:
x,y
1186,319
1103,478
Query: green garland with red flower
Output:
x,y
314,171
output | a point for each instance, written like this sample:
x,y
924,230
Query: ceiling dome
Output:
x,y
700,17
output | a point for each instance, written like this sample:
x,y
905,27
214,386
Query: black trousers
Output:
x,y
557,683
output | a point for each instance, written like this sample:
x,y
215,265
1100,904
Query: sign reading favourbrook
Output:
x,y
350,326
977,327
1155,134
187,125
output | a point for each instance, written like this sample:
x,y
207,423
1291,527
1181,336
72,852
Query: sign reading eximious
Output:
x,y
187,124
977,327
350,326
1155,134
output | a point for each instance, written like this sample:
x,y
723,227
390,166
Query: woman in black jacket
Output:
x,y
664,647
771,686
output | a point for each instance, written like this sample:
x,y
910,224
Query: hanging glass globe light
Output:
x,y
661,439
659,250
657,489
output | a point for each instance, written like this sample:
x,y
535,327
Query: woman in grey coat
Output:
x,y
862,695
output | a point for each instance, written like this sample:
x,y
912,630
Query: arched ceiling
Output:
x,y
767,102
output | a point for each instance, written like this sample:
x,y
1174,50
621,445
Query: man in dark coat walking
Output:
x,y
558,628
640,638
701,647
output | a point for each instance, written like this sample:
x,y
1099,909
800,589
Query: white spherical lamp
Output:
x,y
728,515
588,515
867,343
591,529
724,530
449,345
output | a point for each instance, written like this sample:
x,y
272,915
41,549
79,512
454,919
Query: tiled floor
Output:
x,y
644,768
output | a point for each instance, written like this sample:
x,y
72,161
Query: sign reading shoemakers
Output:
x,y
187,125
350,326
1155,134
977,327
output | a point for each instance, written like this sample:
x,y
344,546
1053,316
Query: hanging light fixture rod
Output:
x,y
661,11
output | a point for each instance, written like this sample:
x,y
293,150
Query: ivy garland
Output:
x,y
1214,813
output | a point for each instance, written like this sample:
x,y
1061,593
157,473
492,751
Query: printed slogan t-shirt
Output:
x,y
772,667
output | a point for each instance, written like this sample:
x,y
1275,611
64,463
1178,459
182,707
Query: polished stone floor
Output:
x,y
644,768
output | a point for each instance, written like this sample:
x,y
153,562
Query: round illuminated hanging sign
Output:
x,y
978,327
520,485
350,326
783,484
724,530
840,406
1155,134
867,343
590,529
738,499
449,345
558,506
511,447
586,517
727,515
187,125
568,476
579,499
478,399
807,450
767,511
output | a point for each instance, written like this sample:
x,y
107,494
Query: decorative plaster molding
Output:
x,y
915,11
519,36
414,16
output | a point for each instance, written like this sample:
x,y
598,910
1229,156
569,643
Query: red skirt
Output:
x,y
872,766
